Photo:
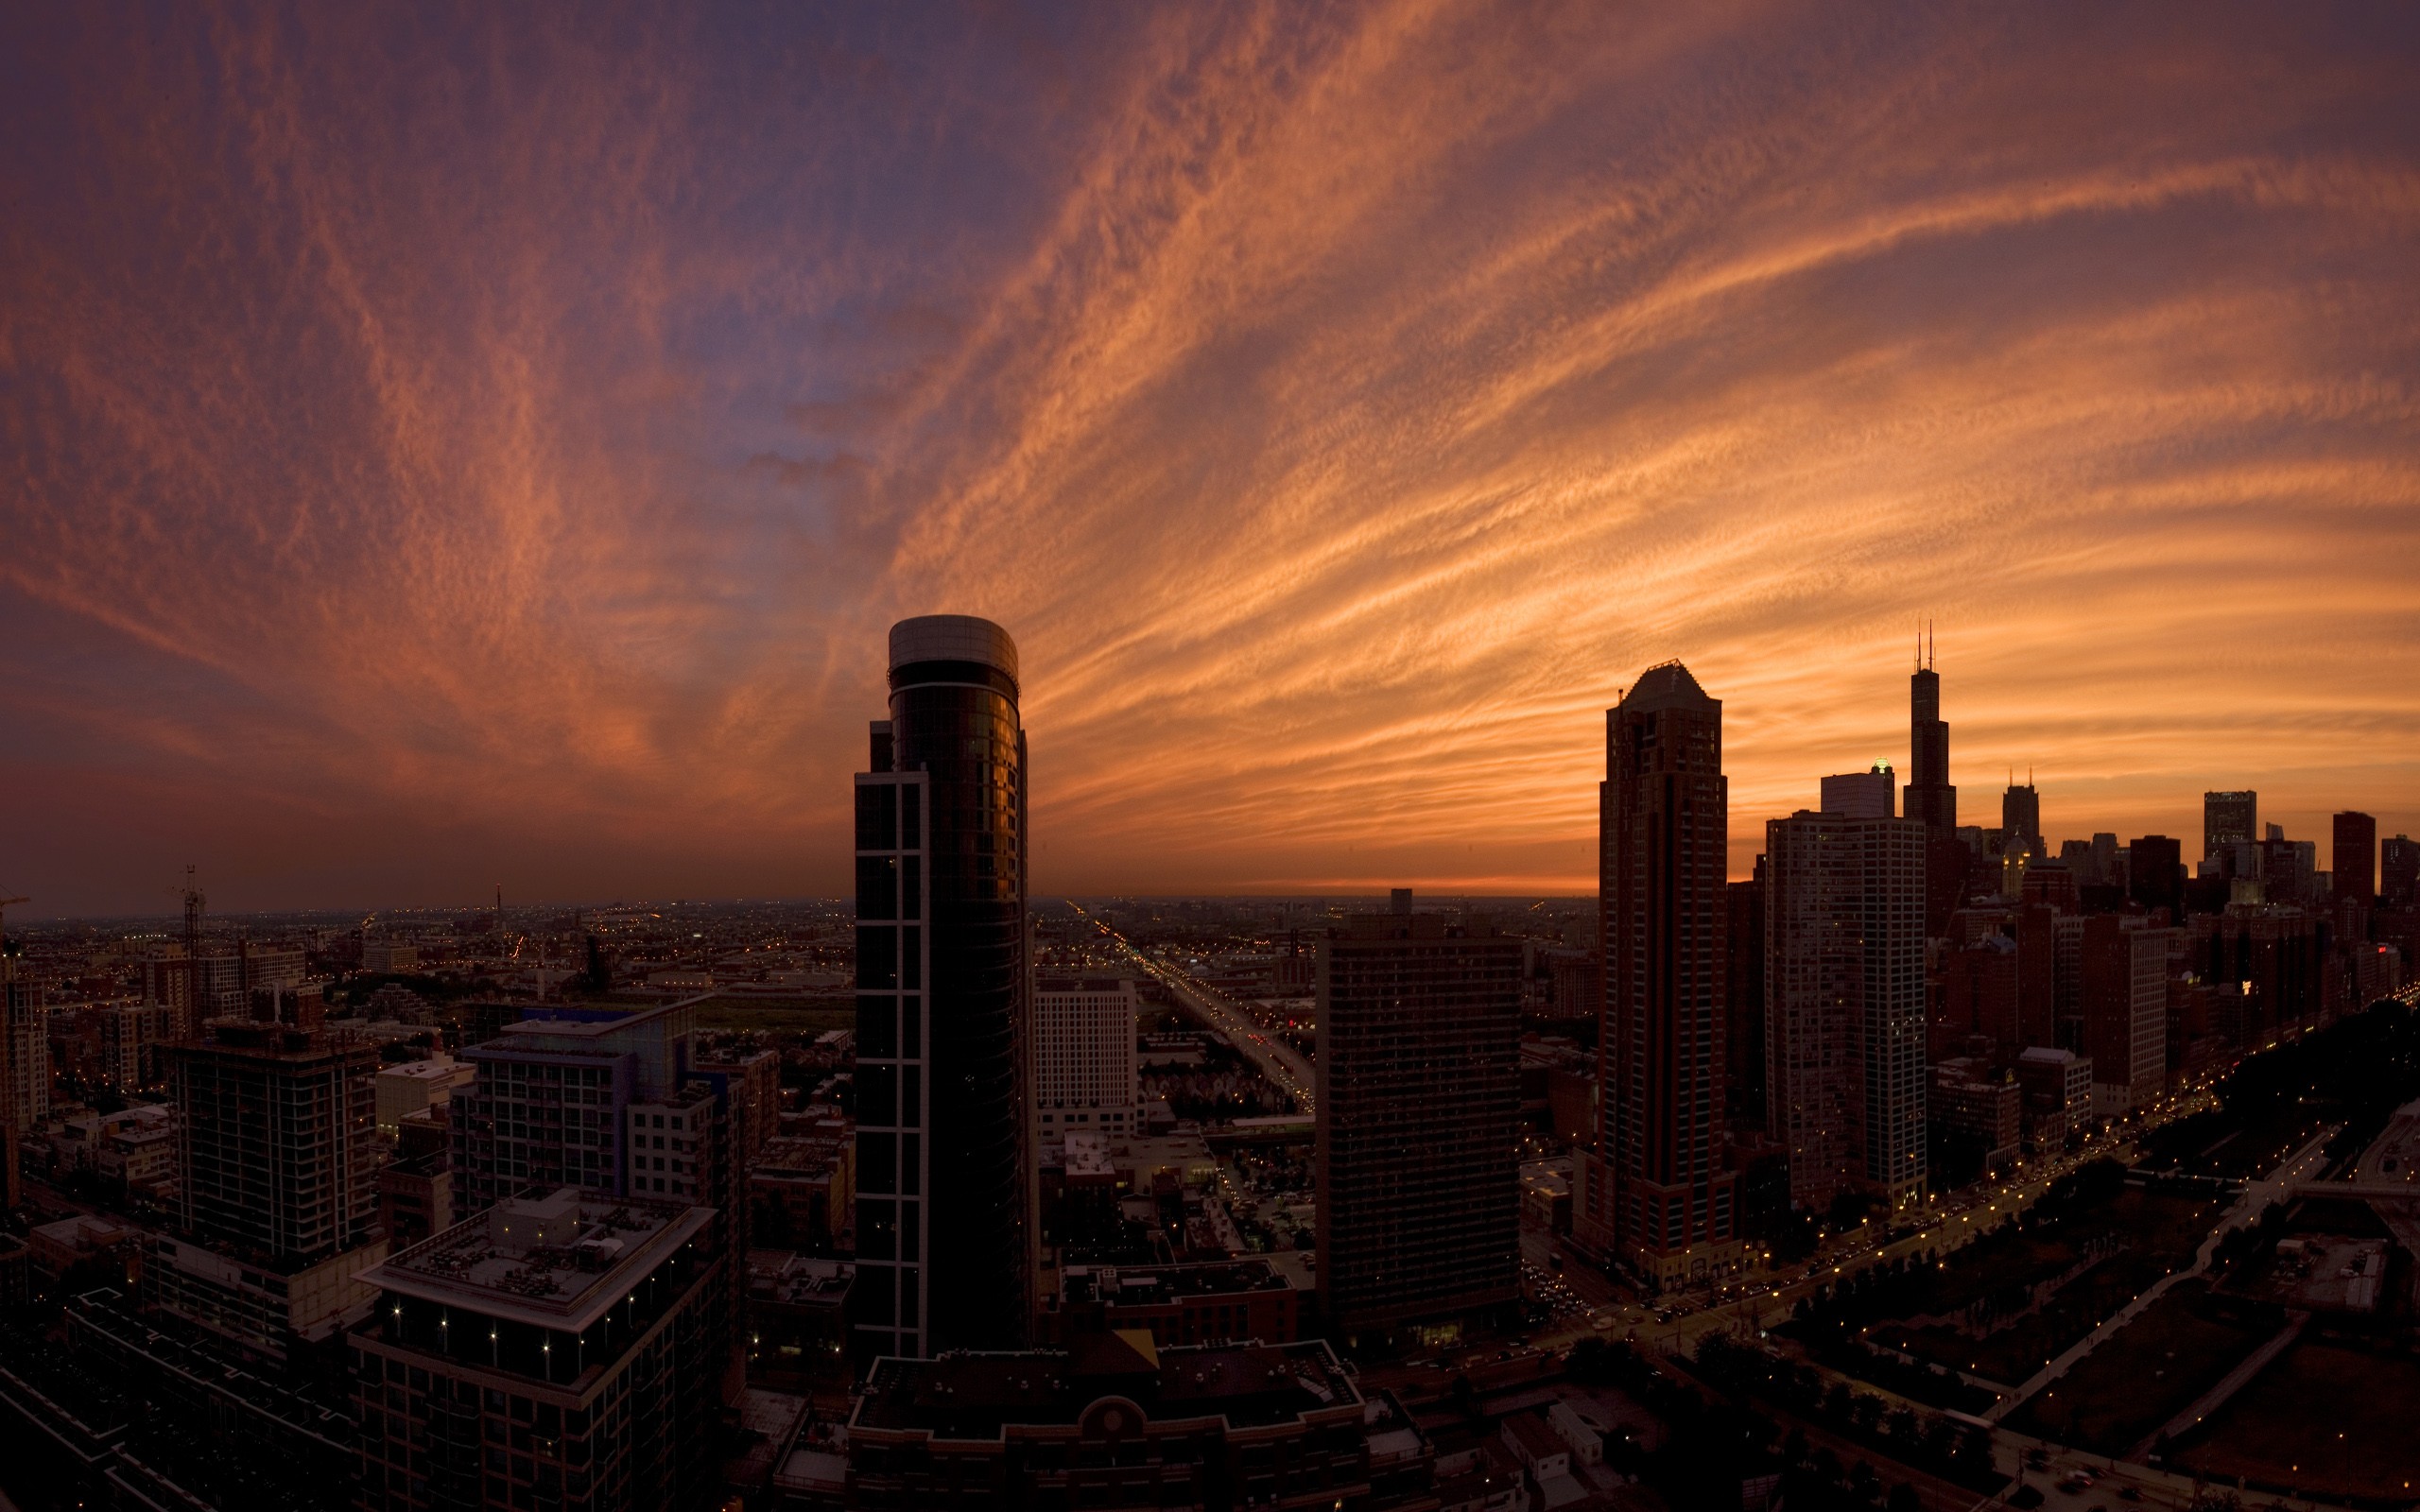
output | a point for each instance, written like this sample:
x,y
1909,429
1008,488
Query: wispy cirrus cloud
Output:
x,y
480,444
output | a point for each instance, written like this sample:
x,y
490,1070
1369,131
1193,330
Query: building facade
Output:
x,y
1654,1193
1418,1110
2353,862
2229,819
946,1167
279,1156
1845,1004
2125,1006
562,1352
1084,1065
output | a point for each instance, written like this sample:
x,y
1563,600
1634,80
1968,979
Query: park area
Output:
x,y
2006,1305
2323,1420
2134,1383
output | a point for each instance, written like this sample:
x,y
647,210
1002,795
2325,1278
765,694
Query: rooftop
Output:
x,y
784,1275
1133,1286
978,1395
554,1262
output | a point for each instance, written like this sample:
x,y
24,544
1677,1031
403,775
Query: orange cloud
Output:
x,y
496,448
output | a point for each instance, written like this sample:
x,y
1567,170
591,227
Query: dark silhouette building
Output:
x,y
1845,1004
2021,817
1418,1112
1743,1037
2399,873
1932,800
2353,864
2155,874
1654,1195
944,1174
2229,819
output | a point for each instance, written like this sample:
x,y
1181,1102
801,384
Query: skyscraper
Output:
x,y
278,1152
2353,864
25,1053
1932,801
1930,796
2155,874
1418,1111
278,1184
1654,1195
1845,994
2229,817
2021,817
943,1203
2399,873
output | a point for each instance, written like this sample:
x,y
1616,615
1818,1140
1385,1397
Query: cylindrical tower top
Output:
x,y
943,639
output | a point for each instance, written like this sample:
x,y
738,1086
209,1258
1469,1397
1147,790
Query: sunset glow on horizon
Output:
x,y
491,445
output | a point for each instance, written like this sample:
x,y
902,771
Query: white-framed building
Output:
x,y
1084,1063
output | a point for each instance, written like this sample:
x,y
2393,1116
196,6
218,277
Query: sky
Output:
x,y
452,446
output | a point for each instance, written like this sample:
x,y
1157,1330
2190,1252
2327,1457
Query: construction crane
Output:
x,y
5,902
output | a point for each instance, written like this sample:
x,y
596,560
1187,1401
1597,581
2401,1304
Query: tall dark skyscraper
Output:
x,y
1931,799
1654,1193
2229,819
2399,873
1930,796
1419,1113
2352,863
2021,816
943,1222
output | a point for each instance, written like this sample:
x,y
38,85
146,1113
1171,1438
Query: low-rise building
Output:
x,y
1113,1420
2057,1086
259,1303
797,1326
1215,1302
1986,1109
415,1085
802,1191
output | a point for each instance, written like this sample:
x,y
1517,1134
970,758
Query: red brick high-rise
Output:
x,y
1654,1193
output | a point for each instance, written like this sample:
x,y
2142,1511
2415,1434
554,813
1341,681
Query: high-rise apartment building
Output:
x,y
551,1101
1418,1113
1845,1004
279,1152
553,1351
25,1051
2125,1010
1744,986
2352,863
1084,1068
2229,819
1654,1195
944,1166
277,1167
224,982
2399,873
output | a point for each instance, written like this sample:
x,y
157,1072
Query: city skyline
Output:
x,y
1337,409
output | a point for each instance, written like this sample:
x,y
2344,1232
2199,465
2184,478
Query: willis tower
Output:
x,y
943,1223
1930,795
